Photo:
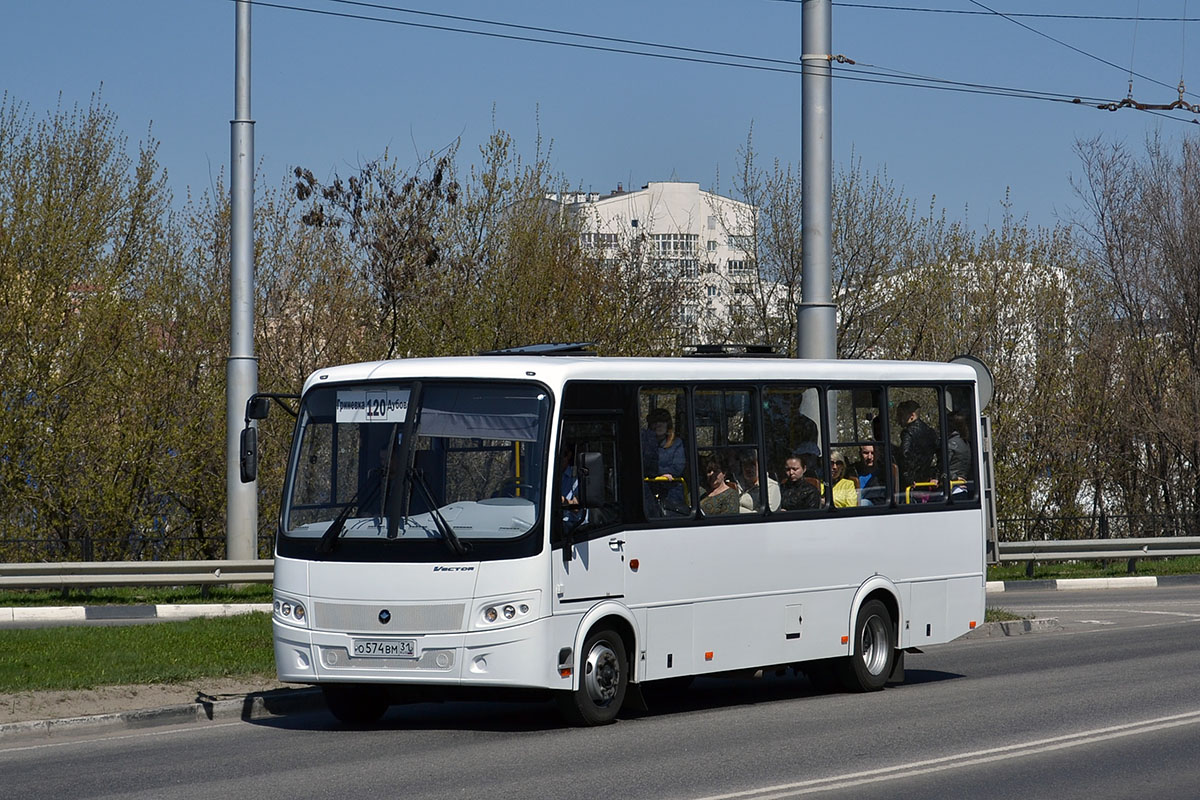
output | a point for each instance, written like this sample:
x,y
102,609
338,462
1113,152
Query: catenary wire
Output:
x,y
880,77
1021,14
1071,47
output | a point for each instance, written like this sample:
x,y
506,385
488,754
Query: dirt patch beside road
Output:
x,y
28,706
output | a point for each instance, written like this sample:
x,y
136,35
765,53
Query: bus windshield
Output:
x,y
471,468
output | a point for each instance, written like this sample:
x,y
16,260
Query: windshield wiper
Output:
x,y
444,528
329,538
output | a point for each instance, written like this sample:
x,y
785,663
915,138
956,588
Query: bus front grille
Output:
x,y
359,618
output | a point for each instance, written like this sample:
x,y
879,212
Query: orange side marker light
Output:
x,y
845,640
972,624
708,656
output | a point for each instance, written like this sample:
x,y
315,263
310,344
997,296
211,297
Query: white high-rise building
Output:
x,y
706,239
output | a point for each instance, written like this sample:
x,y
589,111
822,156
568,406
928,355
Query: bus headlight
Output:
x,y
505,612
290,612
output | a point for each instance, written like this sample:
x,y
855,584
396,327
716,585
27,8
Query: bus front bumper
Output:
x,y
519,656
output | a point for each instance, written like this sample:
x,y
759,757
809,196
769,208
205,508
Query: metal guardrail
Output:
x,y
1084,549
81,574
91,574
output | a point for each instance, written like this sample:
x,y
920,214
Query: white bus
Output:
x,y
589,525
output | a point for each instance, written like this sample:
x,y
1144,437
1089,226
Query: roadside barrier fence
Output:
x,y
1021,539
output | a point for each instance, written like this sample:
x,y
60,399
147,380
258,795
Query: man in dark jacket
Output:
x,y
918,445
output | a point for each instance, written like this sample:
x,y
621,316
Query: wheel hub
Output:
x,y
874,646
602,674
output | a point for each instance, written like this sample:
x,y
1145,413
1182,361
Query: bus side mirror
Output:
x,y
258,407
249,454
590,468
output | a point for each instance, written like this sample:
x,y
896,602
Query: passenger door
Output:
x,y
589,559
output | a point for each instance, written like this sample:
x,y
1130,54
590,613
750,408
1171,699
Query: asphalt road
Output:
x,y
1108,706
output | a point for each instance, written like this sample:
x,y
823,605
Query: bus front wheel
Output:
x,y
354,703
603,679
869,665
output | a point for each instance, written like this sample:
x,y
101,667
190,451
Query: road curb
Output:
x,y
206,708
1015,627
84,614
1078,584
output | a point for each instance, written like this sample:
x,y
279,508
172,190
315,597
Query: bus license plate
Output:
x,y
384,648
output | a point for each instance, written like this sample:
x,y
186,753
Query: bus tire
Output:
x,y
603,679
870,664
355,703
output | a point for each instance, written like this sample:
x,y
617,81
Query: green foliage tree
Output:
x,y
1143,243
459,265
82,226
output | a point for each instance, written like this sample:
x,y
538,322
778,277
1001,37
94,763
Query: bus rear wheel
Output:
x,y
603,680
355,703
870,664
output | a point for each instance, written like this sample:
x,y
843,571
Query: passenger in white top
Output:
x,y
751,499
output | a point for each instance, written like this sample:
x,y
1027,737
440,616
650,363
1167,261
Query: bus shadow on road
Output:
x,y
717,693
537,714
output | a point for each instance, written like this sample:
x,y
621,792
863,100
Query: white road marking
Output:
x,y
961,760
105,738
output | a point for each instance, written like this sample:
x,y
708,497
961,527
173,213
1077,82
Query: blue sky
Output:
x,y
331,92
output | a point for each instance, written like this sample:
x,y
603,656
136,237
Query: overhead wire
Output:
x,y
868,74
1071,47
1022,14
557,32
1182,47
1133,50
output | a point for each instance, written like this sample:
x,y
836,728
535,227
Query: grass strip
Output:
x,y
86,657
992,614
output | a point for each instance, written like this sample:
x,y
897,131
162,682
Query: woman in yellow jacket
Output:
x,y
845,487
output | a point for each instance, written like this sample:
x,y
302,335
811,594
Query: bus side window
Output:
x,y
795,451
856,429
917,444
665,455
726,434
588,436
961,440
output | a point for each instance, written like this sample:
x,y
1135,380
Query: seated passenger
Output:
x,y
871,483
960,462
721,497
845,487
797,491
751,499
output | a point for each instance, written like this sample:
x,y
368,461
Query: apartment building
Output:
x,y
703,238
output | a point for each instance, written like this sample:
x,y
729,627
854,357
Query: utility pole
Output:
x,y
241,369
816,322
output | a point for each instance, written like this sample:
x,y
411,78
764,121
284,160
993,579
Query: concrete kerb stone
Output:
x,y
1014,627
84,614
250,707
1080,584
